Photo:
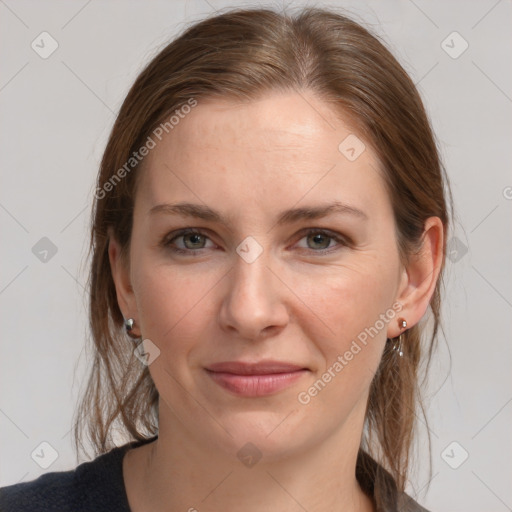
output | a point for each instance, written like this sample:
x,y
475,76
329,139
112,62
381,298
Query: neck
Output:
x,y
178,472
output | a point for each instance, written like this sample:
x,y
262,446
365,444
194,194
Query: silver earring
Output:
x,y
128,324
397,347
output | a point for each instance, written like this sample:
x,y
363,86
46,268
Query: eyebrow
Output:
x,y
285,217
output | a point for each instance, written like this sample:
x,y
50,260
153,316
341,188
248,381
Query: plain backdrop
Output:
x,y
56,112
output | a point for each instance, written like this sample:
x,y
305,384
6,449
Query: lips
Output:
x,y
255,379
261,368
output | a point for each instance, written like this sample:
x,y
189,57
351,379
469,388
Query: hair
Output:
x,y
241,55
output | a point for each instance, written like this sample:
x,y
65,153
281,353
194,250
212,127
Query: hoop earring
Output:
x,y
397,345
128,325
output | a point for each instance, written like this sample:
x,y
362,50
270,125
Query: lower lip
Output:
x,y
256,385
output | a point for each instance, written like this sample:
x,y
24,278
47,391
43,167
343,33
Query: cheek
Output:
x,y
346,299
352,306
174,304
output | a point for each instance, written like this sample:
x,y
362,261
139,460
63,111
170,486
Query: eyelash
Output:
x,y
167,242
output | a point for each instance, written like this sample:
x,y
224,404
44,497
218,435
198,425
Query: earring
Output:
x,y
397,347
128,324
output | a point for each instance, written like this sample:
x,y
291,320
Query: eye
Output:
x,y
190,241
186,241
320,241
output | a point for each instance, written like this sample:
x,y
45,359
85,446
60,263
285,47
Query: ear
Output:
x,y
419,279
121,276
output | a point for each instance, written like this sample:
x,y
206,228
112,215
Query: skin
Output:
x,y
250,161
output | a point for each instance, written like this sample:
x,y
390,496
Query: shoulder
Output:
x,y
407,504
51,491
380,486
96,485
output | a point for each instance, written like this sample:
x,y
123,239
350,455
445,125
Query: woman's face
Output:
x,y
264,278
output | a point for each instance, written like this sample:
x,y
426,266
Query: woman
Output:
x,y
268,231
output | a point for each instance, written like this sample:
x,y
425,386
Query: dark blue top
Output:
x,y
98,486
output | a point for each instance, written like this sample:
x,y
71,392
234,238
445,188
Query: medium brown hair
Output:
x,y
243,54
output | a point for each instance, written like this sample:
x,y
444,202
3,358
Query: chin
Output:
x,y
269,435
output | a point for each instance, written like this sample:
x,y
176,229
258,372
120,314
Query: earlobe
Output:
x,y
421,275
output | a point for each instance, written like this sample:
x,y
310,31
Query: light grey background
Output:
x,y
55,116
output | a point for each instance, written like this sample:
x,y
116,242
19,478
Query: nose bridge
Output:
x,y
252,277
253,301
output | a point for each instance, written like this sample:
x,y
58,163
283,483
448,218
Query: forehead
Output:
x,y
278,120
283,145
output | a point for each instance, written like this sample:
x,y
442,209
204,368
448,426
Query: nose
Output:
x,y
254,306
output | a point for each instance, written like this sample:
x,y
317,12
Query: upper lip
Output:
x,y
259,368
